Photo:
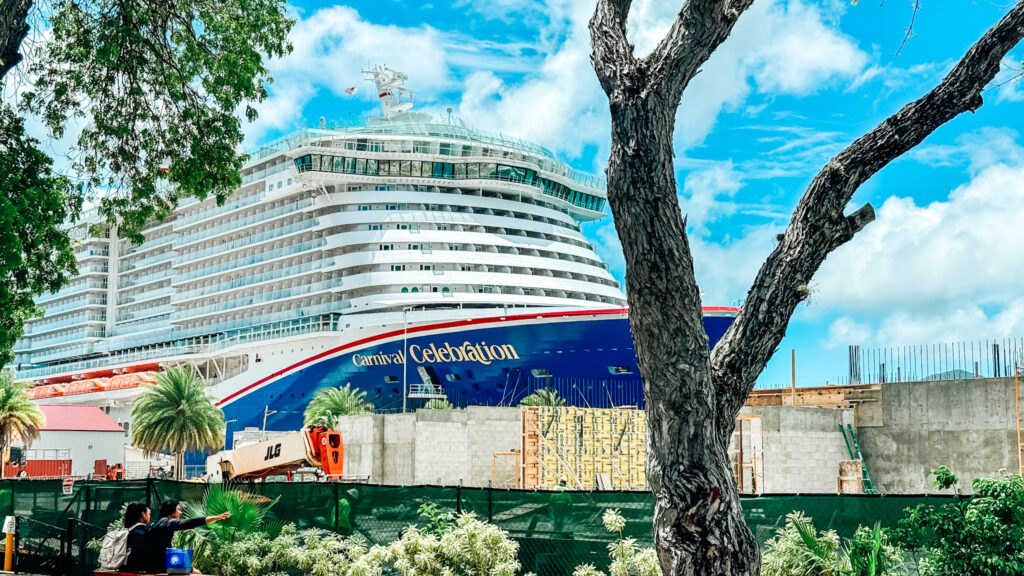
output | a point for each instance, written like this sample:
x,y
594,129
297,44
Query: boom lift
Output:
x,y
316,446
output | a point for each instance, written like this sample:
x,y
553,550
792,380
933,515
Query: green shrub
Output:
x,y
471,548
628,559
981,534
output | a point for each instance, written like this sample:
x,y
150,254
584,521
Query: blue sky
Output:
x,y
797,81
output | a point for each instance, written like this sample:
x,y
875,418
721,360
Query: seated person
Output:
x,y
158,537
136,518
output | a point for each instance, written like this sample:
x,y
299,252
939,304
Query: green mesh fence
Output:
x,y
557,531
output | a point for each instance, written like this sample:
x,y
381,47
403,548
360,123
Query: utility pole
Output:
x,y
405,357
266,412
792,361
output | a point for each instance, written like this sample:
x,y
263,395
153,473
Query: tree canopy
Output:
x,y
157,88
329,404
36,254
177,416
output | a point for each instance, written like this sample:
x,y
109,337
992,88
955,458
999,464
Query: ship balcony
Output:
x,y
147,261
430,391
213,212
253,300
250,240
146,296
271,275
35,328
240,263
138,281
234,225
90,284
74,305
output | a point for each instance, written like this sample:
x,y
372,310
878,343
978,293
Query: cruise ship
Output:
x,y
410,256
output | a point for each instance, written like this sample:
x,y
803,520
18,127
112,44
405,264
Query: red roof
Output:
x,y
67,418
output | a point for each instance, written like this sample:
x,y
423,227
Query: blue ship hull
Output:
x,y
588,358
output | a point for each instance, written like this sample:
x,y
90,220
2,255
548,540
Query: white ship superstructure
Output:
x,y
404,211
409,256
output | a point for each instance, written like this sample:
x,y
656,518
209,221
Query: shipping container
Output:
x,y
39,469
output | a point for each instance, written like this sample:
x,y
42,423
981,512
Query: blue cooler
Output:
x,y
179,560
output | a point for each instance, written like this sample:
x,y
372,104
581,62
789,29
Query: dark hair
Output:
x,y
133,514
168,508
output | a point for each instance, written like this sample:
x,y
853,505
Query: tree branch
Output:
x,y
819,226
613,54
702,25
13,29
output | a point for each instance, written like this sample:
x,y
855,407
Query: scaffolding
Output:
x,y
583,448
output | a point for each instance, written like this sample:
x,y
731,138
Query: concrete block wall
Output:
x,y
444,447
968,425
802,447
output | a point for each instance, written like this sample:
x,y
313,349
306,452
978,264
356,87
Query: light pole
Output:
x,y
405,356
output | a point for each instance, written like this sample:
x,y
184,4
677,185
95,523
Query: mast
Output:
x,y
395,98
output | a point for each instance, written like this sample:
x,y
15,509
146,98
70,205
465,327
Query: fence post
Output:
x,y
490,499
458,498
337,508
69,561
88,503
149,492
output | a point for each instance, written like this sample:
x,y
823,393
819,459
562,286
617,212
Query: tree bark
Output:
x,y
693,395
13,29
698,523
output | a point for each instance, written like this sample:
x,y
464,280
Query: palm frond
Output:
x,y
543,397
176,415
329,404
18,413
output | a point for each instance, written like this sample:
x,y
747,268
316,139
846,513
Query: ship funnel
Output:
x,y
394,97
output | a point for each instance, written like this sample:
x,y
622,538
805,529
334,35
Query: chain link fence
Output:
x,y
556,531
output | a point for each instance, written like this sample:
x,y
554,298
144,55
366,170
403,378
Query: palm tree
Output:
x,y
438,404
329,404
543,397
18,414
176,416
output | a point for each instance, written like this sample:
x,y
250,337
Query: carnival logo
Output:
x,y
467,352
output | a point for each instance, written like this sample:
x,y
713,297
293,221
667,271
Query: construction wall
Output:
x,y
801,448
968,425
447,447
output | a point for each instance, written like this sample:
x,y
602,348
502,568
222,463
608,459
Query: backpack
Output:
x,y
114,552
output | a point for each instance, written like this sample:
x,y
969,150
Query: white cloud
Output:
x,y
778,47
331,47
949,270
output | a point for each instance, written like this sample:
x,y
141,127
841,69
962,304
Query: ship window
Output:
x,y
460,171
350,165
473,170
391,207
391,379
452,377
360,166
375,226
397,267
405,290
445,289
415,289
541,373
289,181
406,168
365,207
387,246
414,246
424,266
403,226
620,369
371,167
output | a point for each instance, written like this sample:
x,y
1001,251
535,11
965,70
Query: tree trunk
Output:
x,y
13,29
698,523
179,465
